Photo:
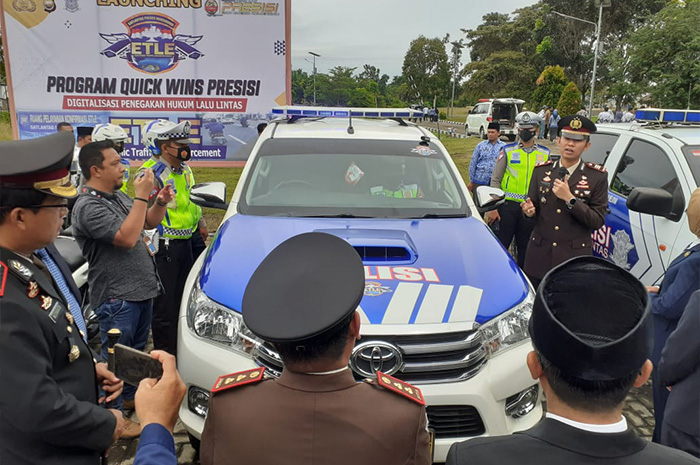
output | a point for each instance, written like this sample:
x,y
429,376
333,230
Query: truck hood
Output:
x,y
428,271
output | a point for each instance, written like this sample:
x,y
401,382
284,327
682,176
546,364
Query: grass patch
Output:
x,y
5,126
460,113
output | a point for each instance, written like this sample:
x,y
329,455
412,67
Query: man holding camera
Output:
x,y
109,228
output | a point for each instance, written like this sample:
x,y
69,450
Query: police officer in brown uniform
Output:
x,y
48,376
568,199
315,413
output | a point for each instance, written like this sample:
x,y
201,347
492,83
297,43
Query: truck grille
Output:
x,y
455,421
427,359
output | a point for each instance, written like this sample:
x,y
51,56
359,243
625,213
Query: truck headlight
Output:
x,y
509,329
214,322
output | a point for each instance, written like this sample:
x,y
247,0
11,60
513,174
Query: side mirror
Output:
x,y
210,195
488,198
650,200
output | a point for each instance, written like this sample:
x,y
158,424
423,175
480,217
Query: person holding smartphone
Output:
x,y
109,228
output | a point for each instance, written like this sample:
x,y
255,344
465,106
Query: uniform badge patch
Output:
x,y
238,379
399,387
596,167
32,289
545,163
46,302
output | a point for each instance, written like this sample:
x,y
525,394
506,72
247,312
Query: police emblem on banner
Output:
x,y
211,7
151,44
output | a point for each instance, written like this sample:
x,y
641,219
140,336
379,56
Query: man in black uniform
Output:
x,y
568,199
48,376
589,327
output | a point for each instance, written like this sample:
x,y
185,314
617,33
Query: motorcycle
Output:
x,y
70,251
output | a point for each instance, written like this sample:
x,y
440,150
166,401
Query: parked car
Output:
x,y
653,166
502,110
445,307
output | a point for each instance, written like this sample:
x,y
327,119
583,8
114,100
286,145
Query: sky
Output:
x,y
379,32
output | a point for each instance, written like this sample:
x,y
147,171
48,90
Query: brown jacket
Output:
x,y
561,233
314,420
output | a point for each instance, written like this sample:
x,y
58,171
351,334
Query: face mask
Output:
x,y
526,135
183,153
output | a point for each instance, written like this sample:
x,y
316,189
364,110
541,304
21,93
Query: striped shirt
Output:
x,y
483,160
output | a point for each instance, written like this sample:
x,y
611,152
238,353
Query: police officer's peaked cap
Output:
x,y
527,119
576,127
41,164
591,320
306,286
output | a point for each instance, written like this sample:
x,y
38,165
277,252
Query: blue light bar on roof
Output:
x,y
667,115
330,112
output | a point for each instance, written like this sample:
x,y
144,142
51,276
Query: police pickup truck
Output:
x,y
653,166
445,307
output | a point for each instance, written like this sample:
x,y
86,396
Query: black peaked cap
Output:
x,y
591,320
306,286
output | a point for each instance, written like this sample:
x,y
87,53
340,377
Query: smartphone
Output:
x,y
131,365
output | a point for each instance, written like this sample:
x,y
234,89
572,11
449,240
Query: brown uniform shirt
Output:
x,y
561,233
314,420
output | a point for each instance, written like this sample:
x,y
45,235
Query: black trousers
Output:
x,y
174,262
514,224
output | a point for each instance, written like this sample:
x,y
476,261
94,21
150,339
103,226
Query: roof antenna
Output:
x,y
351,130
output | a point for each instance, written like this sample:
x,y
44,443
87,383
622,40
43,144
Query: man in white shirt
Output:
x,y
590,350
605,116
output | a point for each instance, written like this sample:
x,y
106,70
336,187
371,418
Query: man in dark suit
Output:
x,y
315,412
680,371
567,198
48,387
589,329
682,278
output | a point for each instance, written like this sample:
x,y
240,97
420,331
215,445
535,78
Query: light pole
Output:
x,y
602,4
455,59
314,55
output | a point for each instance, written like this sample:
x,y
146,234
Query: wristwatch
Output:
x,y
570,204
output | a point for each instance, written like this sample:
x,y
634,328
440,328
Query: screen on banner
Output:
x,y
221,65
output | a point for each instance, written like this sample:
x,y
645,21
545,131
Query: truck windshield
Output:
x,y
351,178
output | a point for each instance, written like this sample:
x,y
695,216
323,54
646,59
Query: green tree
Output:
x,y
550,85
570,101
342,83
426,70
502,74
666,53
299,82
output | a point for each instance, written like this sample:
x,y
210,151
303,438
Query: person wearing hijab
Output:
x,y
668,301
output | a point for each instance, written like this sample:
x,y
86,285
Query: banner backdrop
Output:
x,y
221,65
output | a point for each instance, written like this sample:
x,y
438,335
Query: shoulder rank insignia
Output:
x,y
20,270
3,278
238,379
32,289
399,387
544,163
596,167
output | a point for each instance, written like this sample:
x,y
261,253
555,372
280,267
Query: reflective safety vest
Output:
x,y
519,167
412,191
182,216
127,167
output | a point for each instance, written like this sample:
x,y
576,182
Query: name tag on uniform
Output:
x,y
515,157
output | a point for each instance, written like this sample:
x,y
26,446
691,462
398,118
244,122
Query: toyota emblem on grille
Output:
x,y
372,356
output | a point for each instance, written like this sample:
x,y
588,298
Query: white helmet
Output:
x,y
109,131
163,129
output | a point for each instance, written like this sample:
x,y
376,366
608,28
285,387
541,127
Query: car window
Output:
x,y
327,177
645,165
601,145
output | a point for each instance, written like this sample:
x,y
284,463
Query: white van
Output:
x,y
502,110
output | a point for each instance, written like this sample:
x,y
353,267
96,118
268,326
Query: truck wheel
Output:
x,y
482,133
